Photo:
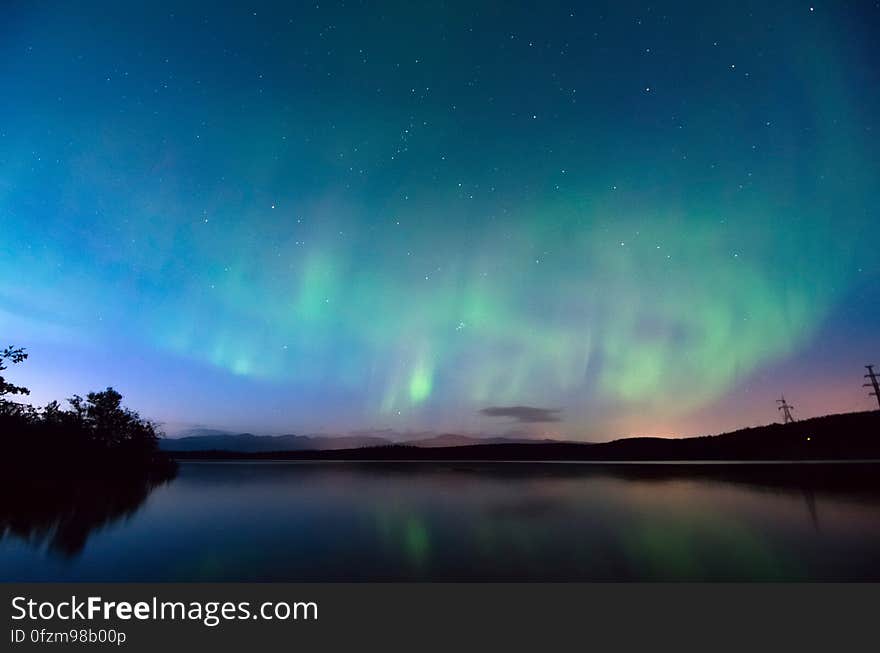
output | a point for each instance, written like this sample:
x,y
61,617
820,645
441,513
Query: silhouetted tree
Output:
x,y
97,432
78,404
14,355
67,472
53,413
11,408
112,425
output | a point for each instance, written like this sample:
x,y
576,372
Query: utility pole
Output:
x,y
873,384
786,408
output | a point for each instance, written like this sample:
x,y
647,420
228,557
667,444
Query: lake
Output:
x,y
297,521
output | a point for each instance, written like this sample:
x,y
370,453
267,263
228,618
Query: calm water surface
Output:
x,y
457,521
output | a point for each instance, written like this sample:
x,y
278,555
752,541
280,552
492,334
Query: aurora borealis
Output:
x,y
647,217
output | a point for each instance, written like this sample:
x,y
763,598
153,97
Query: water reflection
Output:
x,y
60,515
431,521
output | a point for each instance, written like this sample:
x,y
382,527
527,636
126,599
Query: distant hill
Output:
x,y
210,440
250,443
850,436
456,440
201,432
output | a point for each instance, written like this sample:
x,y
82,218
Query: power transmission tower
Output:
x,y
786,409
873,384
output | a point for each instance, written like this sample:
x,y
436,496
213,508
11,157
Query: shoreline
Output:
x,y
843,437
537,461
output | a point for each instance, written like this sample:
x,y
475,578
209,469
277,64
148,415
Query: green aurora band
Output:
x,y
634,271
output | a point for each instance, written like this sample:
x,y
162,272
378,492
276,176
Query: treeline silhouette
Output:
x,y
67,472
96,435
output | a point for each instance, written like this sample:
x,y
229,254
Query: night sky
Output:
x,y
629,218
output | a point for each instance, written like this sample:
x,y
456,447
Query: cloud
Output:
x,y
524,414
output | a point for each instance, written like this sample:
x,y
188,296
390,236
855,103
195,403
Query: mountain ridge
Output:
x,y
846,436
215,440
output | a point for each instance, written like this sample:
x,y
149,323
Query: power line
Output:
x,y
786,409
873,384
